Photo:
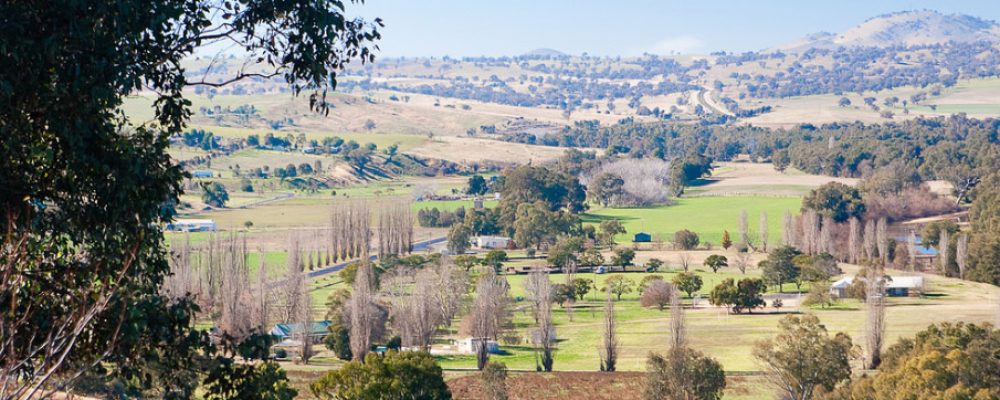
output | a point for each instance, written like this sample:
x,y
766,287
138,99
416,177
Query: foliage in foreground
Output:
x,y
946,361
684,374
394,376
803,358
85,191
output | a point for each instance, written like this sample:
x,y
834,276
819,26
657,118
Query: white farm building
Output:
x,y
895,286
492,242
193,225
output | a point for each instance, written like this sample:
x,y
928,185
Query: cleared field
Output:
x,y
706,216
468,150
977,97
744,178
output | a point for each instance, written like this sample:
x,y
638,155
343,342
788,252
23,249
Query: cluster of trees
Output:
x,y
982,248
955,148
861,69
435,218
851,225
200,138
571,83
538,203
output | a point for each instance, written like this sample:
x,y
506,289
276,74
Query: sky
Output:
x,y
627,27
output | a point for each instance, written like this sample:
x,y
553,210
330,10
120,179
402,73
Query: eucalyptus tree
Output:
x,y
86,190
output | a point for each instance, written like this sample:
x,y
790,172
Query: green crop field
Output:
x,y
706,216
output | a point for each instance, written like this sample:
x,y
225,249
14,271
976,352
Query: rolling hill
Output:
x,y
905,28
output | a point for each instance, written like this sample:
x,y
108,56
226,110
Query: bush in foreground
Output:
x,y
396,375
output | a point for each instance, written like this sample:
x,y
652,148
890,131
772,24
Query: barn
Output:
x,y
642,237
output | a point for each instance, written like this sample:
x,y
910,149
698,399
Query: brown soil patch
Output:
x,y
558,385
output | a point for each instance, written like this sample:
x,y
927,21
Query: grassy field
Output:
x,y
706,216
728,338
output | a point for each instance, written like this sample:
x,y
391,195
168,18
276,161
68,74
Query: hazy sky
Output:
x,y
627,27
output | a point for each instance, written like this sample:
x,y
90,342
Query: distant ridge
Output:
x,y
543,52
906,28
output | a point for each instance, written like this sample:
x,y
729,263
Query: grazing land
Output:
x,y
706,216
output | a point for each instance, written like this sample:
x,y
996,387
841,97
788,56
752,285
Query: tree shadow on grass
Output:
x,y
588,217
702,182
785,312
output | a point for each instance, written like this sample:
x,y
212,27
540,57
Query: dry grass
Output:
x,y
469,150
731,178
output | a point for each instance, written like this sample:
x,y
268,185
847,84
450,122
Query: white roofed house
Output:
x,y
492,242
896,286
193,225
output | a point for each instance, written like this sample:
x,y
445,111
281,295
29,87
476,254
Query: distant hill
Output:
x,y
908,28
545,52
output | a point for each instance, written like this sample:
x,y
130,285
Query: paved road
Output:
x,y
706,100
418,246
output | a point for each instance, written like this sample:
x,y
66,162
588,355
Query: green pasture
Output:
x,y
706,216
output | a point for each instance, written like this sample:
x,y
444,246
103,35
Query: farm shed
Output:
x,y
193,225
492,242
642,237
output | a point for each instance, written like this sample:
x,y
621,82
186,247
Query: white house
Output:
x,y
193,225
469,346
492,242
896,286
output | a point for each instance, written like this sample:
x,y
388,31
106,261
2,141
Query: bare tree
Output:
x,y
678,331
363,312
788,229
870,240
350,223
825,242
543,336
854,244
962,254
882,238
293,283
395,228
874,317
744,230
449,287
911,247
943,249
236,318
741,261
183,279
644,181
570,275
412,310
684,259
810,232
762,231
609,344
263,293
303,331
490,313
